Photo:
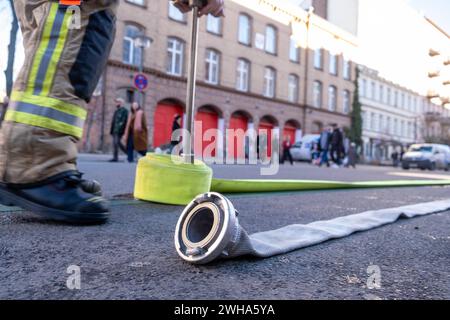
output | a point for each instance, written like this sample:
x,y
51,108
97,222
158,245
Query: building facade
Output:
x,y
267,65
392,116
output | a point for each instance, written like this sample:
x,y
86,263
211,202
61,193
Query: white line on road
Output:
x,y
420,175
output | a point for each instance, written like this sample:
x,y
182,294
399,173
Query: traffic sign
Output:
x,y
140,81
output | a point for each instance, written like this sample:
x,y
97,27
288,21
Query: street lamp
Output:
x,y
142,42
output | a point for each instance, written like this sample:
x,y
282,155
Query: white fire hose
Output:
x,y
208,229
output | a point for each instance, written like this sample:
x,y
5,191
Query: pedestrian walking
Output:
x,y
176,125
118,126
395,158
315,155
352,156
136,132
47,109
324,146
337,146
287,145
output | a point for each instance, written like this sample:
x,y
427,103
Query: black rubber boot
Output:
x,y
63,197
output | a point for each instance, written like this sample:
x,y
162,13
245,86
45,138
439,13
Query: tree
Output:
x,y
9,72
355,134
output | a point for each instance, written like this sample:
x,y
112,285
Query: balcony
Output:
x,y
433,53
431,94
434,74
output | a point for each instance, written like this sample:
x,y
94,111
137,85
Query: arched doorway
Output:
x,y
292,129
266,126
165,112
207,117
239,122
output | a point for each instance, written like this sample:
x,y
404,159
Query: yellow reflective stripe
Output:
x,y
42,46
43,122
48,102
56,55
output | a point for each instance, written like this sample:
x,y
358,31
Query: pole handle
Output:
x,y
194,3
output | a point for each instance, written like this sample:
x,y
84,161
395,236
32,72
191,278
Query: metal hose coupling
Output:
x,y
208,229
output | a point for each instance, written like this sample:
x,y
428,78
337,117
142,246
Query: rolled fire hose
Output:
x,y
208,229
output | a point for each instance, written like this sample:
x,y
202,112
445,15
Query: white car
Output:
x,y
301,150
427,156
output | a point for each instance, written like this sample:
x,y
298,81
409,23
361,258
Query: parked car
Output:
x,y
427,156
301,150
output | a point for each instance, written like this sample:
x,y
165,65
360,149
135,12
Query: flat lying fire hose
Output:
x,y
208,229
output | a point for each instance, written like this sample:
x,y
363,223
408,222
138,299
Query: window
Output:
x,y
363,118
271,39
175,55
131,53
346,70
212,66
372,121
395,99
364,88
333,66
381,93
213,24
294,51
402,128
389,96
395,131
269,82
243,75
332,98
245,29
317,94
388,125
346,101
373,90
293,87
176,14
408,103
402,100
318,58
380,123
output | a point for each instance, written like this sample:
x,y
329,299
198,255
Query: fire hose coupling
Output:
x,y
207,229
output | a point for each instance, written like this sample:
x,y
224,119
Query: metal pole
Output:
x,y
141,70
188,153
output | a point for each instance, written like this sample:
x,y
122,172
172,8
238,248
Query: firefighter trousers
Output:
x,y
66,50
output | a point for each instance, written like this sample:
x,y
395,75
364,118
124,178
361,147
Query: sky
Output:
x,y
436,10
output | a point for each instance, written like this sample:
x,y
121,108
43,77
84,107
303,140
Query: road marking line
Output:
x,y
420,175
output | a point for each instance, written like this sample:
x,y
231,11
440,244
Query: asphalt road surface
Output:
x,y
133,257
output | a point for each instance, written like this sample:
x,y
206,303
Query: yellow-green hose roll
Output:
x,y
160,179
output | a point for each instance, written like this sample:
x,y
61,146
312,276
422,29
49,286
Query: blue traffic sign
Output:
x,y
140,81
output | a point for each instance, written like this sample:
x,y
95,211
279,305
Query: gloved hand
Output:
x,y
214,7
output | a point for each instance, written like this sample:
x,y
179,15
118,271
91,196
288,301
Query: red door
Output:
x,y
209,120
237,123
289,131
268,127
164,116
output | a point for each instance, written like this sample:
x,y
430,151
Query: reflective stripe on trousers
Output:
x,y
34,106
